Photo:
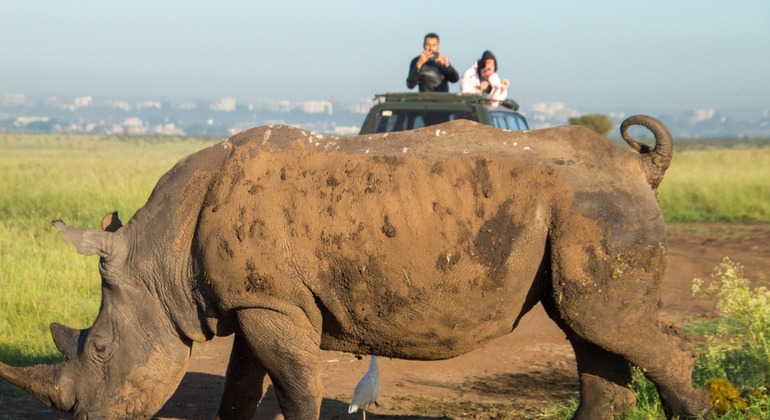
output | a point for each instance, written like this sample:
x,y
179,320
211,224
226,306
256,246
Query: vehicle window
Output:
x,y
508,121
513,123
499,121
388,121
522,122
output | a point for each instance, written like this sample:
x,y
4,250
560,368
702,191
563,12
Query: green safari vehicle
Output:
x,y
406,111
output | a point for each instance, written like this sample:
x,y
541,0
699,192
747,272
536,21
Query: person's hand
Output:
x,y
443,60
505,83
425,55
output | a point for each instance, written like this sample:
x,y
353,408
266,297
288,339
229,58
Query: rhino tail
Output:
x,y
655,161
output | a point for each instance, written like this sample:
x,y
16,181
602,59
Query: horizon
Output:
x,y
136,101
592,56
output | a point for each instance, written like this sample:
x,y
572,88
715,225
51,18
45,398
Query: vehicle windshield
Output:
x,y
508,121
388,121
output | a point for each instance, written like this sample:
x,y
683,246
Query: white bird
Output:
x,y
367,389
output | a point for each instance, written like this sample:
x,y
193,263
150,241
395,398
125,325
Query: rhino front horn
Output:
x,y
42,382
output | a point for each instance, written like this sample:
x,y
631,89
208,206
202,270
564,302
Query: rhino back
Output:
x,y
392,245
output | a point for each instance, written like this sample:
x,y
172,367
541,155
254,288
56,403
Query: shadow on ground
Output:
x,y
198,398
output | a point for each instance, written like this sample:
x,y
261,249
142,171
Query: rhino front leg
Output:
x,y
243,383
287,345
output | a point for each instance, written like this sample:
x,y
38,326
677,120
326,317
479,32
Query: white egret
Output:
x,y
367,389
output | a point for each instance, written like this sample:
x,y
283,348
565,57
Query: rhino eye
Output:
x,y
102,347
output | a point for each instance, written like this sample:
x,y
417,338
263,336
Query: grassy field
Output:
x,y
77,179
722,184
80,178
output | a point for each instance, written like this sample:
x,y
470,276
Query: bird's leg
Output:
x,y
364,411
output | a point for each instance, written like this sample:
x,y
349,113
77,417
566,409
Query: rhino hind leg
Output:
x,y
604,376
244,383
287,345
670,369
615,316
604,379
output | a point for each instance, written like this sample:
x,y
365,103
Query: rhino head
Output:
x,y
130,361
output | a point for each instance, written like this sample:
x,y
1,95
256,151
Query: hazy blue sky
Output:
x,y
594,55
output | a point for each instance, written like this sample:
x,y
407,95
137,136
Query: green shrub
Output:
x,y
738,346
597,122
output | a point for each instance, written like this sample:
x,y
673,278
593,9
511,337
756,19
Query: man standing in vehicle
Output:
x,y
431,70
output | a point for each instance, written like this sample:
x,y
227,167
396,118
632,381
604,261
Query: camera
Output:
x,y
434,56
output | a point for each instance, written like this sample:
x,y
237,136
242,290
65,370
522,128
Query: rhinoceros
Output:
x,y
417,245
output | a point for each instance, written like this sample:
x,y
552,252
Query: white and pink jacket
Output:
x,y
470,83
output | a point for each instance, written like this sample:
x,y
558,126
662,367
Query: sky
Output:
x,y
592,55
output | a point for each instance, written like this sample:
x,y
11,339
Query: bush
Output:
x,y
597,122
738,346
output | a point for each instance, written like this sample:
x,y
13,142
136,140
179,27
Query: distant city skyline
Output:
x,y
227,116
594,56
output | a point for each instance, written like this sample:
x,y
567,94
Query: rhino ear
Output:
x,y
87,242
65,339
111,222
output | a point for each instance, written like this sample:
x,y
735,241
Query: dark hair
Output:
x,y
431,35
484,57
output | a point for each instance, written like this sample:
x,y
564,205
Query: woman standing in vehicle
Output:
x,y
482,78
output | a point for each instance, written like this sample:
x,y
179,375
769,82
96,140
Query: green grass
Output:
x,y
78,179
729,185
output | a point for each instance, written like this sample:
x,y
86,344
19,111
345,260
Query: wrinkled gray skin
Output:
x,y
417,245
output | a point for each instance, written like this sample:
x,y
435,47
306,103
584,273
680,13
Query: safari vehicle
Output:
x,y
407,111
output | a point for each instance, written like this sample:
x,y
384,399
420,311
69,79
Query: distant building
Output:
x,y
186,106
148,104
115,104
134,125
550,114
167,129
82,102
225,105
10,99
317,107
25,121
701,115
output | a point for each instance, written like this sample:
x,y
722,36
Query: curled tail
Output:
x,y
654,161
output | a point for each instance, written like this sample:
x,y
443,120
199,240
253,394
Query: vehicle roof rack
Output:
x,y
443,97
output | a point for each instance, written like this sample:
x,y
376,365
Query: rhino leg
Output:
x,y
616,313
669,367
287,344
604,379
243,383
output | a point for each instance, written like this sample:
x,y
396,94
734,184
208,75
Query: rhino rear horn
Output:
x,y
87,242
66,339
111,222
